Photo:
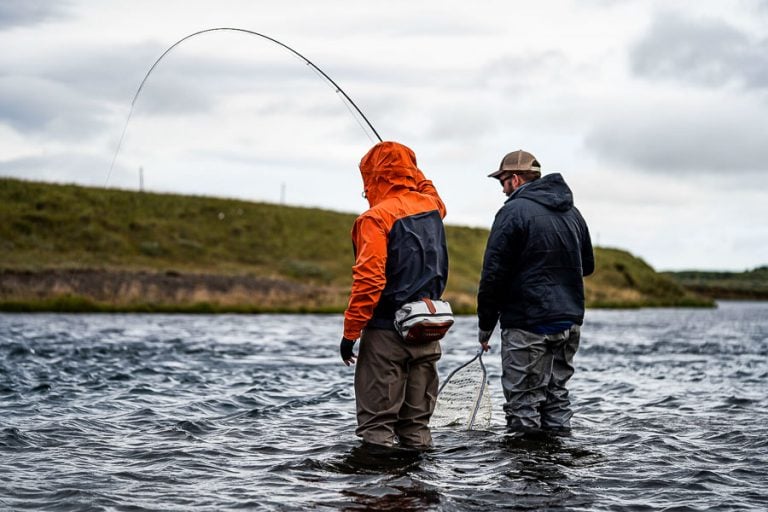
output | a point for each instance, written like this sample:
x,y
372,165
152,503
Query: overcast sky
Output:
x,y
655,112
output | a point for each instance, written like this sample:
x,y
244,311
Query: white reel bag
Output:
x,y
424,320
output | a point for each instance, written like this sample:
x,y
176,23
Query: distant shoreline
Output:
x,y
126,291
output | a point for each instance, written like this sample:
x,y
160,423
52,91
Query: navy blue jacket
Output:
x,y
538,251
417,265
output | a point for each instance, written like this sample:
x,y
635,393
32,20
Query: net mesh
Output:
x,y
464,400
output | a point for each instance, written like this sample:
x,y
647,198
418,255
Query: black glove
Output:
x,y
345,349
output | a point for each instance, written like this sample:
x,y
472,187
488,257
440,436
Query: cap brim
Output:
x,y
496,174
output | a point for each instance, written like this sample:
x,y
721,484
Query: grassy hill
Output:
x,y
748,285
66,247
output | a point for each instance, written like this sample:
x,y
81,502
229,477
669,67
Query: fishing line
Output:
x,y
352,113
317,70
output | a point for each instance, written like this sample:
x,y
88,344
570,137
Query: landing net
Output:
x,y
464,399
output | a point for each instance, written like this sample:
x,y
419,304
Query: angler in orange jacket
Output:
x,y
400,256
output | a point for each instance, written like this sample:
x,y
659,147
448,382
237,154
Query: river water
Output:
x,y
176,412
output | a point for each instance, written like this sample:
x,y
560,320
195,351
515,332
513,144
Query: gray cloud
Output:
x,y
39,106
664,139
111,74
29,12
61,167
402,19
71,94
101,81
176,85
515,73
460,125
701,52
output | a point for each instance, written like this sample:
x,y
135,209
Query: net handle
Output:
x,y
450,375
482,390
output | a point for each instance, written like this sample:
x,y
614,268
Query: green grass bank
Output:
x,y
73,248
747,285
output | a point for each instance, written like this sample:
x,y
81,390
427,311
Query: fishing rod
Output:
x,y
245,31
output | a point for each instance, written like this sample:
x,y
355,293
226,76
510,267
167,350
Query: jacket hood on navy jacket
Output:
x,y
550,191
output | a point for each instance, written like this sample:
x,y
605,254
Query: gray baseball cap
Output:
x,y
517,161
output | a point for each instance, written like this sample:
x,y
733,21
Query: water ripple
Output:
x,y
175,412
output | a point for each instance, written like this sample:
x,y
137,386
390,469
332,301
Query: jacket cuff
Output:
x,y
351,333
484,336
487,322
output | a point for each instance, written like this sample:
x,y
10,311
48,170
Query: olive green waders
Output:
x,y
395,389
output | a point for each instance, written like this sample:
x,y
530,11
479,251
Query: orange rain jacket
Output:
x,y
399,243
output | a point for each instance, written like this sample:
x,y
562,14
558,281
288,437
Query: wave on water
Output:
x,y
175,412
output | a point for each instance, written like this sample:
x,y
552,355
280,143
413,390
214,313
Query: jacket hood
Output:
x,y
550,191
388,168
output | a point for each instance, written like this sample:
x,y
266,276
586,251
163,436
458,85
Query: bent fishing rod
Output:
x,y
245,31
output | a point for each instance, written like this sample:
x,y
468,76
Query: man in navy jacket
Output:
x,y
532,283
